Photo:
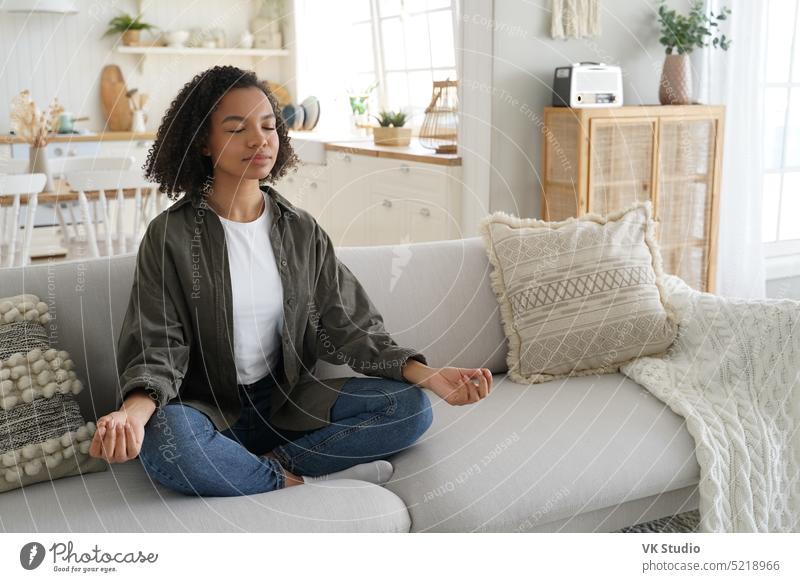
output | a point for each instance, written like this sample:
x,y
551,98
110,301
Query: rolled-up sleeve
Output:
x,y
349,328
153,346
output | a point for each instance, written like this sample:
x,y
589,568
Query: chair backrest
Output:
x,y
126,228
14,166
91,180
16,184
12,188
61,166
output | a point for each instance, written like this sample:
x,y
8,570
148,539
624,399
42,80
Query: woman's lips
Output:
x,y
258,160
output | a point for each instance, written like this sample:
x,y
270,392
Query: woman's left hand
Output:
x,y
459,386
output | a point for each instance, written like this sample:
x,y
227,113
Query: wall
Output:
x,y
63,55
524,59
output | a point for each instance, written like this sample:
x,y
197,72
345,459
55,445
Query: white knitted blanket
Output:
x,y
734,374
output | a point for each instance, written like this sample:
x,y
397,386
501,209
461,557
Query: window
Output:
x,y
404,45
781,185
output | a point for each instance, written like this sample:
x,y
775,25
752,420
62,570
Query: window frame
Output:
x,y
782,249
379,62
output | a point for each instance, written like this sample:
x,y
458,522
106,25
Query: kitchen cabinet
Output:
x,y
369,200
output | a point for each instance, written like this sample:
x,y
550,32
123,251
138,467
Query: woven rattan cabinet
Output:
x,y
600,160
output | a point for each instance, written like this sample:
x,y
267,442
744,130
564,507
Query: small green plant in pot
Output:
x,y
680,35
129,27
391,130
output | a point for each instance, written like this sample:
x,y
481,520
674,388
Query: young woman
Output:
x,y
237,293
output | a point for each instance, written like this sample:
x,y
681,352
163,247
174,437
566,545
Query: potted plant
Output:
x,y
390,130
129,27
680,35
359,107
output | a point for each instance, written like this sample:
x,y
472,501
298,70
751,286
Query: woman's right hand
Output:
x,y
118,437
119,434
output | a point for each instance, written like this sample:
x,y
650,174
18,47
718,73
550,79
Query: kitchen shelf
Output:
x,y
146,51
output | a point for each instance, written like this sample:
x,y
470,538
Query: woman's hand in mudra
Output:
x,y
118,437
458,386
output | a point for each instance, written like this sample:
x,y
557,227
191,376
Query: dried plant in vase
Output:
x,y
34,126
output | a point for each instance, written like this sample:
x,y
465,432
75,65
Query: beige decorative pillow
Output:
x,y
578,297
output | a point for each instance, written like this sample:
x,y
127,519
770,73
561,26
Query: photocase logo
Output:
x,y
31,555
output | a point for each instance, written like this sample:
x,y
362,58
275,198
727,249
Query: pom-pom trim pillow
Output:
x,y
43,435
578,297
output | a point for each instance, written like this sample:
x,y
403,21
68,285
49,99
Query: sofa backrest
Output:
x,y
435,297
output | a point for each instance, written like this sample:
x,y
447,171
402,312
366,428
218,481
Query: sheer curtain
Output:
x,y
735,78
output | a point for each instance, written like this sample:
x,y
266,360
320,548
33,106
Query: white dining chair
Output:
x,y
59,166
12,189
120,233
14,166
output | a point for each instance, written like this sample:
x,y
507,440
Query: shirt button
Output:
x,y
290,301
284,262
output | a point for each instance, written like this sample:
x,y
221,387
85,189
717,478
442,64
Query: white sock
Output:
x,y
378,472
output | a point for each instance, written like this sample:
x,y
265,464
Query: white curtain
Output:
x,y
735,79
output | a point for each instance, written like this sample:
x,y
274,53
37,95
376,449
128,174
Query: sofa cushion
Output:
x,y
44,435
580,296
526,456
86,301
435,297
124,499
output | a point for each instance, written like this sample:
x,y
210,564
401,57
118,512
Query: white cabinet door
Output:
x,y
346,209
373,200
426,221
287,187
386,220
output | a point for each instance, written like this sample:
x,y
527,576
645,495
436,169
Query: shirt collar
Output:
x,y
280,205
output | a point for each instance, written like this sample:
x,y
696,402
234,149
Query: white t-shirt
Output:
x,y
257,297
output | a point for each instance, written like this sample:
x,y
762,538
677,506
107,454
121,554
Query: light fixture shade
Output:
x,y
28,6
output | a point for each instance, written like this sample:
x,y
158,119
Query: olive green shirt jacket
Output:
x,y
176,340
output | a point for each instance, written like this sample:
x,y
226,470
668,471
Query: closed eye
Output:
x,y
241,130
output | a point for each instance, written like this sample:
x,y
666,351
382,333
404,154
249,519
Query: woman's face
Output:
x,y
243,141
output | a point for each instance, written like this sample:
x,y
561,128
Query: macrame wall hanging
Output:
x,y
575,19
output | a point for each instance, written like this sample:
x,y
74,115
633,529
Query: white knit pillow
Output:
x,y
43,435
578,297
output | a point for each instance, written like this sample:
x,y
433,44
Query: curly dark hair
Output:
x,y
175,160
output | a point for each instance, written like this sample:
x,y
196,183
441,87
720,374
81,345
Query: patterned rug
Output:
x,y
682,523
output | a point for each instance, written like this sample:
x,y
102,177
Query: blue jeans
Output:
x,y
372,419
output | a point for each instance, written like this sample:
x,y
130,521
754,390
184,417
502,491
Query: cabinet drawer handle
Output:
x,y
313,184
425,211
405,168
290,179
58,151
347,158
387,203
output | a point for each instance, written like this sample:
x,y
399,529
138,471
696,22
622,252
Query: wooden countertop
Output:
x,y
6,138
414,152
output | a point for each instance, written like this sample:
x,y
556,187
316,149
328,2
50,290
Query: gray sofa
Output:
x,y
594,453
